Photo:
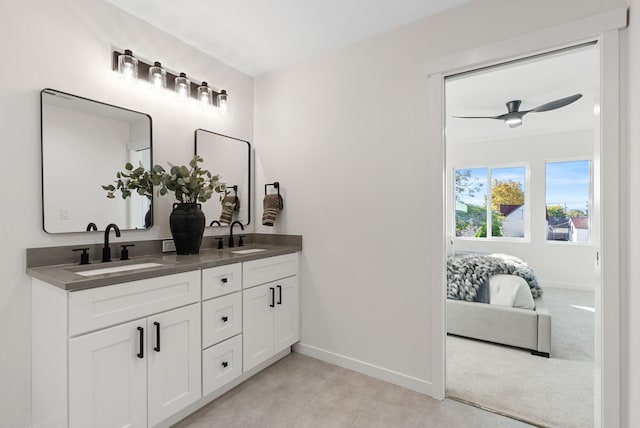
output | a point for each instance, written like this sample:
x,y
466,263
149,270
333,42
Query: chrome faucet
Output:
x,y
92,226
231,232
106,250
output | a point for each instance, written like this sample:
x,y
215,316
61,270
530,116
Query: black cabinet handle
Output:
x,y
273,297
279,294
141,336
157,348
225,318
225,364
224,280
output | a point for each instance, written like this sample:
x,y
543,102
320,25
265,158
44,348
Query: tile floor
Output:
x,y
300,391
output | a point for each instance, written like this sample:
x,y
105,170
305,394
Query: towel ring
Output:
x,y
276,185
235,191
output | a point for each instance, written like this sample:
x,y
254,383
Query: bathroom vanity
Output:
x,y
149,341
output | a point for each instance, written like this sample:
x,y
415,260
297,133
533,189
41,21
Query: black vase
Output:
x,y
187,226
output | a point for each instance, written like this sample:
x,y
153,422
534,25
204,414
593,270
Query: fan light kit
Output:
x,y
513,116
128,66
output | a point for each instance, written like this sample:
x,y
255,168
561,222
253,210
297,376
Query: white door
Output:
x,y
108,378
287,313
174,363
257,321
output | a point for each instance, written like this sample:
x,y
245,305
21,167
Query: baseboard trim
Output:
x,y
409,382
566,285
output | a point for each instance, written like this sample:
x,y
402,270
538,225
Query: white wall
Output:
x,y
66,45
555,263
346,135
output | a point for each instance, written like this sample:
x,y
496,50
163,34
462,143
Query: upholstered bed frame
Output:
x,y
522,328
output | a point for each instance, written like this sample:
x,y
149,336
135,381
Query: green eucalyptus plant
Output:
x,y
190,184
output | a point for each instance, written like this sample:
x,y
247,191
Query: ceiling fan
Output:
x,y
514,116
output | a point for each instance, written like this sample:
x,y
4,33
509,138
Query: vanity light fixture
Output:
x,y
204,94
183,86
128,66
158,76
223,101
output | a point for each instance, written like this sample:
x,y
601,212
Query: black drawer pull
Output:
x,y
157,348
224,280
225,364
279,294
141,338
225,318
273,297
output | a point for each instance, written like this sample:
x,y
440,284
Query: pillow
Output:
x,y
510,290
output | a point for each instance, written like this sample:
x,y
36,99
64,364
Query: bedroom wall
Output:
x,y
559,264
346,134
66,45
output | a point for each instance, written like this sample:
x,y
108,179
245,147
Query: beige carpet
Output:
x,y
553,392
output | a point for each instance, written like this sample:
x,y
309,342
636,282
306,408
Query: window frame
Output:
x,y
590,159
527,202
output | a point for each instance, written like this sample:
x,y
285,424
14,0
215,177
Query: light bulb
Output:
x,y
204,94
183,86
128,66
158,76
223,101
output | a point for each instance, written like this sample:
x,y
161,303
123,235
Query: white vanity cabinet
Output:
x,y
124,355
221,326
271,311
146,353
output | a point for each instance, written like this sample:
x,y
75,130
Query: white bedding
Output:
x,y
510,290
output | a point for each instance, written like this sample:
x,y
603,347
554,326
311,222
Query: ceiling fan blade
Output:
x,y
481,117
557,103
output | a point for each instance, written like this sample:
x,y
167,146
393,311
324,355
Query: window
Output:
x,y
506,218
568,186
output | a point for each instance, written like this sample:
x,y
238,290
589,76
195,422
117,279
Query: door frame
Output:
x,y
604,29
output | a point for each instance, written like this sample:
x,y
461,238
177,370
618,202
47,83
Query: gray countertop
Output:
x,y
65,276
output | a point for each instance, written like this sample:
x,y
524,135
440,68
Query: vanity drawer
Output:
x,y
113,304
261,271
221,280
221,318
221,364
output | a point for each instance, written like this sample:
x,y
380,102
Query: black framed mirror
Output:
x,y
84,143
230,158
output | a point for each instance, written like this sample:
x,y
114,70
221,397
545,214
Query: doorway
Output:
x,y
523,190
607,330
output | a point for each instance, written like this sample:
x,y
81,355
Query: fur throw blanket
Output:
x,y
467,274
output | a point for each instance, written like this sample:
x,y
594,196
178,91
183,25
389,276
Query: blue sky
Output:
x,y
567,183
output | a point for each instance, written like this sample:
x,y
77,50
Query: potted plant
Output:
x,y
191,185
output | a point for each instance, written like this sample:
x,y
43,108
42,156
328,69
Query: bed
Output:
x,y
497,298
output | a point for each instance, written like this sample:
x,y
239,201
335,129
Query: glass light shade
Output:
x,y
204,94
183,86
128,66
158,76
223,101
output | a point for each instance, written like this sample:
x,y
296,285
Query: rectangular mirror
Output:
x,y
84,144
231,159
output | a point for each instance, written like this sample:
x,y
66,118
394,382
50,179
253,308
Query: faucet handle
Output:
x,y
220,244
124,254
240,241
84,257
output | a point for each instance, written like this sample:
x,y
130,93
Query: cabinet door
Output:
x,y
286,319
174,363
108,378
258,304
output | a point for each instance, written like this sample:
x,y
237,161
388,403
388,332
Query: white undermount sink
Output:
x,y
113,269
248,251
